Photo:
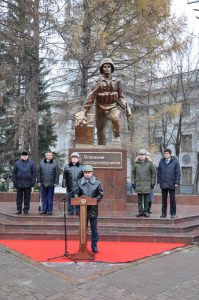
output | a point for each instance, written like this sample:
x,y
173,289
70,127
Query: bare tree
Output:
x,y
128,31
183,75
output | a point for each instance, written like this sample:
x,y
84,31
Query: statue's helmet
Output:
x,y
106,61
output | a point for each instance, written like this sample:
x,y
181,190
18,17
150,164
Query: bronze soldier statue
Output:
x,y
107,92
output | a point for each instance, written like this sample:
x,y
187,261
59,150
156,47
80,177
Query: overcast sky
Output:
x,y
180,7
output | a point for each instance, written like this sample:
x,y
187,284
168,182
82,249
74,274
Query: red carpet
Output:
x,y
41,250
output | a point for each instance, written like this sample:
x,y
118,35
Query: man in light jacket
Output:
x,y
143,180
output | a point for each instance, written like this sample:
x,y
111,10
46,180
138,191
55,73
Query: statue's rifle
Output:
x,y
125,108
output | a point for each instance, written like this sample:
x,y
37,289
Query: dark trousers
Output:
x,y
47,195
143,200
172,201
23,194
72,208
94,232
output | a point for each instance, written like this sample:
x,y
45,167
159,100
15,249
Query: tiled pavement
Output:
x,y
173,275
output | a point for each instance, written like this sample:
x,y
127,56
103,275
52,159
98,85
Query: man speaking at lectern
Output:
x,y
90,186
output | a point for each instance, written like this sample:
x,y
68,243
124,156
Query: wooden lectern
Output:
x,y
83,253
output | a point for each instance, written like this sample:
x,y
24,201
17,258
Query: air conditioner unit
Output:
x,y
186,159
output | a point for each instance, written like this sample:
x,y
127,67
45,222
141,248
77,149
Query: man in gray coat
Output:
x,y
90,186
47,178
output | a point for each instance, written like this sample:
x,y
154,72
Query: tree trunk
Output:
x,y
179,136
86,35
32,82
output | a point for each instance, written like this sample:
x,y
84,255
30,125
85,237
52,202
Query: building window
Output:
x,y
186,143
186,175
158,143
186,109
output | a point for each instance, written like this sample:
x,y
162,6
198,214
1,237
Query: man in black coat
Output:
x,y
24,177
168,176
90,186
72,172
47,178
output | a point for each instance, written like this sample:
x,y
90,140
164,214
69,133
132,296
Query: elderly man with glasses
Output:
x,y
143,177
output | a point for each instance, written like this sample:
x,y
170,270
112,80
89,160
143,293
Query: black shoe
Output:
x,y
173,216
77,213
70,213
43,213
149,208
49,213
145,215
18,212
163,216
94,249
139,214
25,212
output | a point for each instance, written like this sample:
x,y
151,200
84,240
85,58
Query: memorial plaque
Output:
x,y
110,167
102,160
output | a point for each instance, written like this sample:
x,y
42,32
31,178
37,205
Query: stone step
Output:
x,y
32,235
106,220
188,238
31,218
180,199
158,237
126,227
109,228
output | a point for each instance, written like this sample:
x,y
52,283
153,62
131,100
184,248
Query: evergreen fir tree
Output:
x,y
47,138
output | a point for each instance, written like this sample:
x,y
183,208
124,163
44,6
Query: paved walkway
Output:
x,y
172,275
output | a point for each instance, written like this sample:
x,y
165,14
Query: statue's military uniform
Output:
x,y
108,94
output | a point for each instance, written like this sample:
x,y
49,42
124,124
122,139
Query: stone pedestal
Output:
x,y
110,166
